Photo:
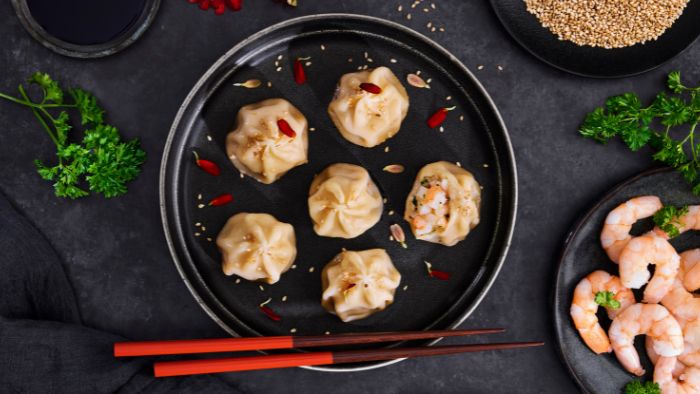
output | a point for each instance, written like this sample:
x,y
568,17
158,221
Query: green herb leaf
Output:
x,y
52,92
101,161
625,117
636,387
607,299
668,219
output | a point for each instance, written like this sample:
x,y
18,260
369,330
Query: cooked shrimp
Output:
x,y
651,319
691,350
687,383
689,221
431,200
680,302
654,357
691,267
618,223
584,307
638,254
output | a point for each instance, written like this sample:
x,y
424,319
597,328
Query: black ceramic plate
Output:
x,y
597,62
479,142
583,254
126,37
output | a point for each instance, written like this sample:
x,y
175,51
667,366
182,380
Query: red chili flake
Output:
x,y
286,129
370,88
221,200
207,166
235,4
442,275
299,73
268,311
438,117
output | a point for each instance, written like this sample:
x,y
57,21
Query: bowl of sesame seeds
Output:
x,y
602,38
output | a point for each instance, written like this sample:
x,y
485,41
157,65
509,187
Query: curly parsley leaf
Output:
x,y
101,162
668,219
607,299
637,387
625,117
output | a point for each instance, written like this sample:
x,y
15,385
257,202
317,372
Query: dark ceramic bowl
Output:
x,y
597,62
583,254
479,142
128,36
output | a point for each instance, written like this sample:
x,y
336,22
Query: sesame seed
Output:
x,y
323,47
293,330
327,333
385,200
238,280
486,165
442,129
204,228
284,298
500,68
386,149
197,224
442,29
391,213
405,288
391,238
261,288
279,69
241,174
366,55
480,67
307,63
200,206
432,5
399,8
393,60
349,60
408,16
429,25
312,269
269,84
461,118
209,137
209,239
294,266
426,10
432,29
458,164
197,234
429,80
199,196
280,57
448,98
418,72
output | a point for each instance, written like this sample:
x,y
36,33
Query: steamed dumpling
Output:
x,y
358,284
344,202
443,205
258,148
256,246
364,118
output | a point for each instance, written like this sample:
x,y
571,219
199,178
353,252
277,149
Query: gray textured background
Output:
x,y
115,252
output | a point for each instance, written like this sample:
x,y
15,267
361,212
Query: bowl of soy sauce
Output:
x,y
86,28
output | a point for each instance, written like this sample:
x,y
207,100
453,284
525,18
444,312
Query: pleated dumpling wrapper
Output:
x,y
365,118
262,145
256,246
358,284
443,205
344,202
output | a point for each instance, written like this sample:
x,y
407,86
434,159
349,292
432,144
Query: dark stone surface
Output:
x,y
115,252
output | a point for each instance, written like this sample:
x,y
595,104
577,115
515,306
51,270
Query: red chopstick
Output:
x,y
190,346
236,364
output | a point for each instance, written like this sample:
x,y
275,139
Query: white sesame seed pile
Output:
x,y
607,23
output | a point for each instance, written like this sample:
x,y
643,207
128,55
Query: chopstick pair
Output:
x,y
235,364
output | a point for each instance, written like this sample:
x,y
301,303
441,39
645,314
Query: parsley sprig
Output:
x,y
607,299
668,219
637,387
101,159
624,116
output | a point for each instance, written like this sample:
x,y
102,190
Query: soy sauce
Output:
x,y
86,22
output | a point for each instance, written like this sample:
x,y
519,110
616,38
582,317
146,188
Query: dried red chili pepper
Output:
x,y
221,200
219,6
442,275
438,117
286,129
299,73
207,166
235,4
204,4
370,88
268,311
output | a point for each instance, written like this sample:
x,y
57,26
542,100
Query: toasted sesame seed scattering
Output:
x,y
607,23
279,69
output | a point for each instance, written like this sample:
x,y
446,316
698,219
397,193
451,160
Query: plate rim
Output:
x,y
573,231
529,50
511,209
